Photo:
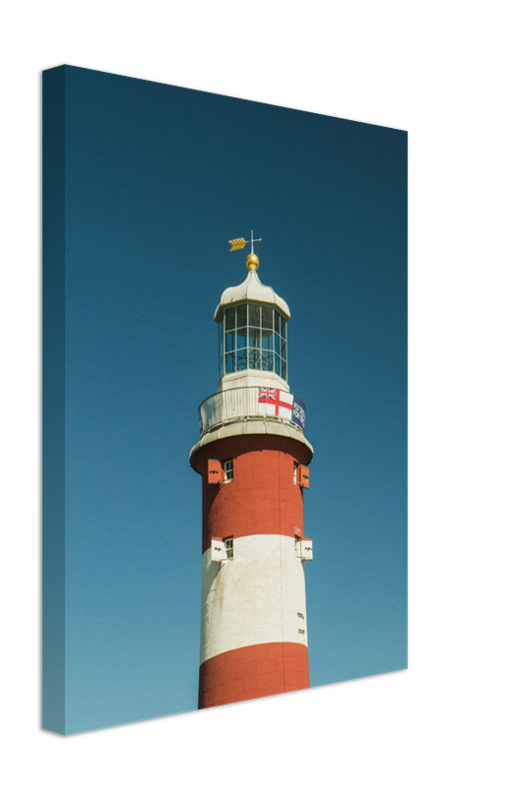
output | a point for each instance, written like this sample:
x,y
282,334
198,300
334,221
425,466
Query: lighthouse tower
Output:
x,y
253,458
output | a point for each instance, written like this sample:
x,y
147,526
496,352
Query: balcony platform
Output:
x,y
237,412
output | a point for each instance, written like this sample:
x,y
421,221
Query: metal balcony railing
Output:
x,y
243,403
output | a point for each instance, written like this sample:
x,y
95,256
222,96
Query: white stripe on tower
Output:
x,y
257,597
254,640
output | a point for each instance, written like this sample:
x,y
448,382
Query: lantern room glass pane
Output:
x,y
242,316
230,363
230,341
221,361
254,359
267,360
241,337
229,318
267,317
267,340
241,359
254,315
254,337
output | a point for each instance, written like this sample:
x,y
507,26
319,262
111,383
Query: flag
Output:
x,y
298,412
280,404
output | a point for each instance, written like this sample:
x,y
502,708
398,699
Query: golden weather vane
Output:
x,y
239,244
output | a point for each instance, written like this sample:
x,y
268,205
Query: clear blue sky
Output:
x,y
158,179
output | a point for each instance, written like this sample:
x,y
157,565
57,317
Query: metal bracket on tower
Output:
x,y
217,550
304,549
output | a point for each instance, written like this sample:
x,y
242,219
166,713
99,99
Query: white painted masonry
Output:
x,y
257,597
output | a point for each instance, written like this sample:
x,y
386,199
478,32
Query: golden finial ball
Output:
x,y
252,261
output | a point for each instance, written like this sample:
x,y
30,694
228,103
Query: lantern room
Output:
x,y
253,342
252,336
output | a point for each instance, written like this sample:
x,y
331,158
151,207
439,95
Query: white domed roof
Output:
x,y
252,289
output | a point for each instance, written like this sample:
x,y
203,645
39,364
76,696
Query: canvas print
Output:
x,y
224,400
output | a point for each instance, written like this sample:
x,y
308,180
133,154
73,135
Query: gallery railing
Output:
x,y
244,403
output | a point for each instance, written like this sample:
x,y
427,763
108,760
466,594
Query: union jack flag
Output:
x,y
267,395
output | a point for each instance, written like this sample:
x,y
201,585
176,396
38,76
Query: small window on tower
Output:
x,y
295,471
228,471
228,546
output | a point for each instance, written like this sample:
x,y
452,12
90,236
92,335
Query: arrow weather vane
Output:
x,y
239,244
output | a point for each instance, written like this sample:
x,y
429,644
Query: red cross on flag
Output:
x,y
278,403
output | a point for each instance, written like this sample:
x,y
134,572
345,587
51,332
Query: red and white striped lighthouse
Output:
x,y
253,458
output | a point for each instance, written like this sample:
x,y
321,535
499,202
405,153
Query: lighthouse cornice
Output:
x,y
250,426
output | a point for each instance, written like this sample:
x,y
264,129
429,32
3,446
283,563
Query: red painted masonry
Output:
x,y
262,498
250,672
